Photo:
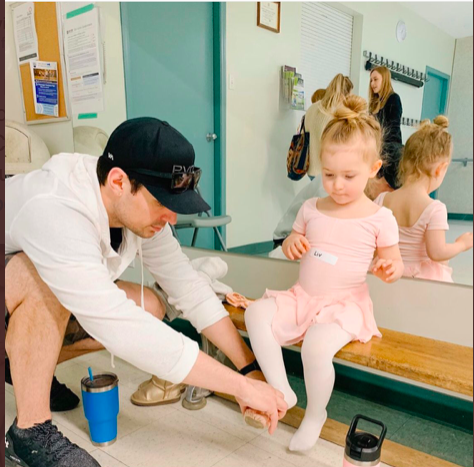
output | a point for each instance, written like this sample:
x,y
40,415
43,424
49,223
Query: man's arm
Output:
x,y
192,295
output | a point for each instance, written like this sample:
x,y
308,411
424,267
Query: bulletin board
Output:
x,y
46,21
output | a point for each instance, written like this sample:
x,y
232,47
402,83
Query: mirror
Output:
x,y
225,94
258,128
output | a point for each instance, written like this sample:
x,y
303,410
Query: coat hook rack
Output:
x,y
410,122
399,72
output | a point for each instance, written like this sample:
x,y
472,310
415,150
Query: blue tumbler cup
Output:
x,y
100,398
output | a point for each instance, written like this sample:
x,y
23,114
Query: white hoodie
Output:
x,y
57,217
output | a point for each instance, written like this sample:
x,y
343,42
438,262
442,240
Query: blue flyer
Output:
x,y
45,88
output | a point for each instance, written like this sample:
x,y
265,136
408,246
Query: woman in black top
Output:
x,y
385,105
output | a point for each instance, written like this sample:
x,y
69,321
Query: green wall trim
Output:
x,y
253,248
86,116
80,11
460,217
391,393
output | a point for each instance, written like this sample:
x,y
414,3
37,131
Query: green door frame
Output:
x,y
219,31
444,100
447,79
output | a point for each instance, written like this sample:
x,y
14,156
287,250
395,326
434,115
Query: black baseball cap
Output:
x,y
155,154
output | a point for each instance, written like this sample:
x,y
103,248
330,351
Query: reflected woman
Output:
x,y
386,106
319,115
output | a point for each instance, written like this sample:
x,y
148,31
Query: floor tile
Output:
x,y
10,410
437,440
226,416
251,456
105,460
176,440
323,454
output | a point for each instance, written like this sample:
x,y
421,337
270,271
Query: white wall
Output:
x,y
259,133
59,136
457,189
413,306
115,105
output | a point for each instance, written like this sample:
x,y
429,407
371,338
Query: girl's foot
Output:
x,y
308,433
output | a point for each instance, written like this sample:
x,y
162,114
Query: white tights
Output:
x,y
321,343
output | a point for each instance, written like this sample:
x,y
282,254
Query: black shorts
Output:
x,y
74,331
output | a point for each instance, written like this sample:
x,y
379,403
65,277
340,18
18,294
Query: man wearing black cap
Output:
x,y
62,259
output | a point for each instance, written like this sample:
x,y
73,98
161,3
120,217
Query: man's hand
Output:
x,y
295,246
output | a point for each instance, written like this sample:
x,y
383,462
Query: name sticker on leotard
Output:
x,y
324,257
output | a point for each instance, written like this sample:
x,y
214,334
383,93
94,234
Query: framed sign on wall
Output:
x,y
268,15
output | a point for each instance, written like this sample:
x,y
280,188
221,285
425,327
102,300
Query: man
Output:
x,y
60,260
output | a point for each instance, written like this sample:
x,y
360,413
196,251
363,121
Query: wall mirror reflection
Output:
x,y
220,82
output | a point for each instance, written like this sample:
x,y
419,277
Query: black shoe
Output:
x,y
43,446
61,398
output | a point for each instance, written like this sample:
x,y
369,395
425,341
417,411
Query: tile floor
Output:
x,y
171,436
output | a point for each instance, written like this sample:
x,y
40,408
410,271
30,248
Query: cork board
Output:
x,y
46,21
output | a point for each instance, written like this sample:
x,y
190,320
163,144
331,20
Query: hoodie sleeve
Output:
x,y
64,246
186,289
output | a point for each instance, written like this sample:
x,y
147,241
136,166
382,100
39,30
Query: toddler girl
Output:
x,y
422,220
336,238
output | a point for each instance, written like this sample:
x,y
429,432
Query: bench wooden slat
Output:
x,y
441,364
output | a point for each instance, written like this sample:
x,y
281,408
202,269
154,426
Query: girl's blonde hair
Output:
x,y
318,95
351,119
378,101
429,145
339,88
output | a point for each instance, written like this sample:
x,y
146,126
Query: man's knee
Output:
x,y
153,303
24,286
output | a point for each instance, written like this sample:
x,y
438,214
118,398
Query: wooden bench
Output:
x,y
440,364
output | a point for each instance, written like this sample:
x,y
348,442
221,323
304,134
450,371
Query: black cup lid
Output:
x,y
103,382
363,447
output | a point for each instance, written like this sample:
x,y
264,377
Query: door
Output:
x,y
435,98
168,62
435,95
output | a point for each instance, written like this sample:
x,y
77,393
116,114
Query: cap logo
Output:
x,y
180,169
110,156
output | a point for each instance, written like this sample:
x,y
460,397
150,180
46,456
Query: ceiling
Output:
x,y
454,18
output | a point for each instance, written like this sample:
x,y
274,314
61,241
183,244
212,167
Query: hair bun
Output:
x,y
442,121
351,108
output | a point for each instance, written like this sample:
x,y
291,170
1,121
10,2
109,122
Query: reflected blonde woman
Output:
x,y
319,115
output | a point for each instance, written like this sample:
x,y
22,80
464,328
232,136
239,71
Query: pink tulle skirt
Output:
x,y
297,311
431,270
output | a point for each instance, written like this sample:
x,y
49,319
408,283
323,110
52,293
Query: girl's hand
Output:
x,y
465,240
295,246
388,270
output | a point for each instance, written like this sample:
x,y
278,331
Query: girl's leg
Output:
x,y
321,343
258,319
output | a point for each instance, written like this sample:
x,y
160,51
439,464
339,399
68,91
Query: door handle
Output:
x,y
211,137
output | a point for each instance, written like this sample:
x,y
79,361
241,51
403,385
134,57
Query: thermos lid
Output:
x,y
361,446
100,383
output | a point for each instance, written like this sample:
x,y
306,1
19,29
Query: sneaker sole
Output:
x,y
11,463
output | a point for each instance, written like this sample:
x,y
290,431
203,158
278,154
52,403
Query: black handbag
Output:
x,y
297,162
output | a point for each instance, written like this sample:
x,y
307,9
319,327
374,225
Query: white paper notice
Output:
x,y
24,29
84,73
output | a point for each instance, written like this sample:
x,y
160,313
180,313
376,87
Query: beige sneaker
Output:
x,y
157,391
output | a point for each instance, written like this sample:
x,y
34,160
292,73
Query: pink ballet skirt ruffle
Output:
x,y
297,311
431,270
